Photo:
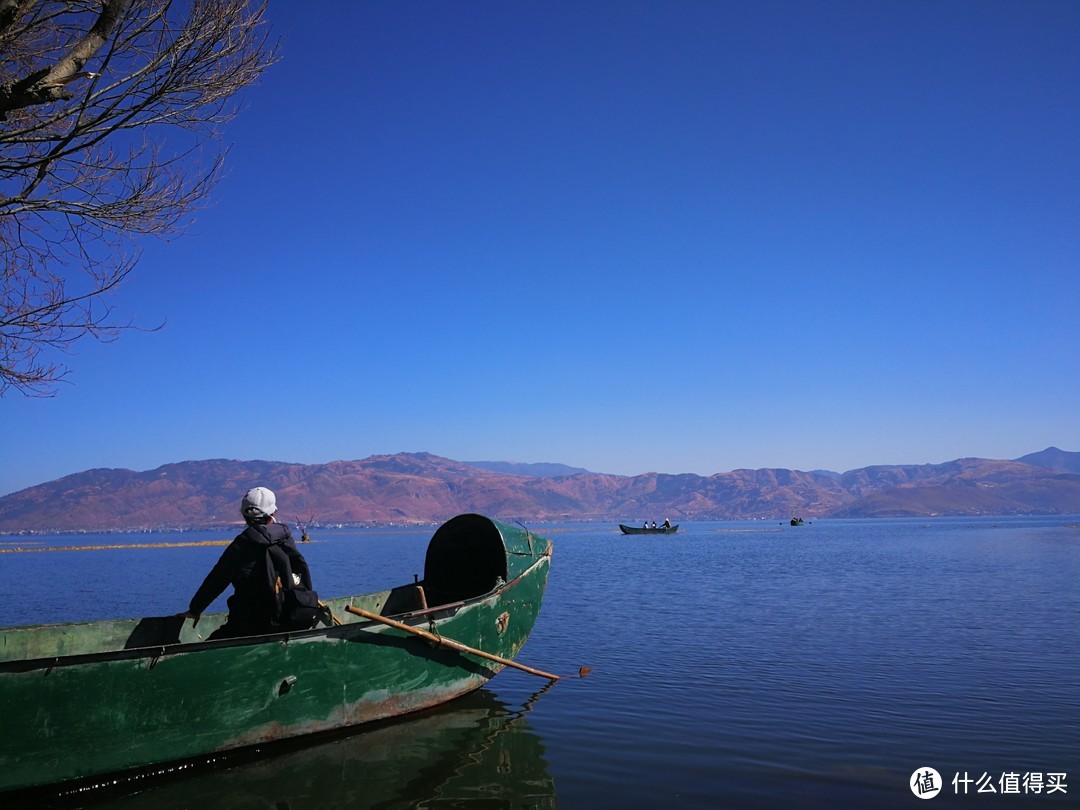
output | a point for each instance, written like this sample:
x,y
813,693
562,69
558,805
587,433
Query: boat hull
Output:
x,y
644,530
88,714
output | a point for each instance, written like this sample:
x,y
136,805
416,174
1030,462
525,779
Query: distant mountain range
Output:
x,y
413,488
541,470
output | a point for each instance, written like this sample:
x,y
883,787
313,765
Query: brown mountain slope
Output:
x,y
966,486
421,488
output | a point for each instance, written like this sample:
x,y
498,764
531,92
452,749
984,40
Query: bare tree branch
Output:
x,y
85,88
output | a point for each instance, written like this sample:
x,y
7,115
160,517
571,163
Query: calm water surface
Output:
x,y
733,665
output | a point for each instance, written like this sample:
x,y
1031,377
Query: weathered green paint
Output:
x,y
79,700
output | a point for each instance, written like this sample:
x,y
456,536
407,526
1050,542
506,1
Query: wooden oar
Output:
x,y
448,642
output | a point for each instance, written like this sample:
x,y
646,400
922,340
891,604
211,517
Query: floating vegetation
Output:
x,y
113,547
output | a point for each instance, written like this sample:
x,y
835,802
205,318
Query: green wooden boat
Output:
x,y
82,701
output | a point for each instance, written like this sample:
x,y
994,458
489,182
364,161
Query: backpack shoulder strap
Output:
x,y
278,568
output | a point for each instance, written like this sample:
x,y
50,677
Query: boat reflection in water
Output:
x,y
474,750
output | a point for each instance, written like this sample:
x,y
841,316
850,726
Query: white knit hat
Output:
x,y
258,503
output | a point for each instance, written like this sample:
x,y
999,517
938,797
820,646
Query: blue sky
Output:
x,y
627,236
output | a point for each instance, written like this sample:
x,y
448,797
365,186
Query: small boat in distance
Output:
x,y
797,521
131,697
654,529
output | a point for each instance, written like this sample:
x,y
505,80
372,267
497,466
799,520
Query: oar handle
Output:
x,y
447,642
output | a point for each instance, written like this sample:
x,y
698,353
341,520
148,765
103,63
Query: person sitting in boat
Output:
x,y
667,523
253,567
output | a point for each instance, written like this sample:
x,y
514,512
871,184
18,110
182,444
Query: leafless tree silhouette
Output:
x,y
89,89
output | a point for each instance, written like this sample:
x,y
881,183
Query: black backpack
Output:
x,y
293,606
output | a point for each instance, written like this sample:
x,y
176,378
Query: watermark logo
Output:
x,y
925,783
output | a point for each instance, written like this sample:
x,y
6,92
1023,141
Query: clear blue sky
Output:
x,y
628,236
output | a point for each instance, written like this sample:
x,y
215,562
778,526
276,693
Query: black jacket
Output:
x,y
243,565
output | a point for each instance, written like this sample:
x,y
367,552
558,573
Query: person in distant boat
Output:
x,y
252,565
667,523
654,524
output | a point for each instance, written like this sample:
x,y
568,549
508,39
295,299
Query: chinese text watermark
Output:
x,y
926,783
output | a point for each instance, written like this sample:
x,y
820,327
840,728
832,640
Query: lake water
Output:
x,y
738,665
